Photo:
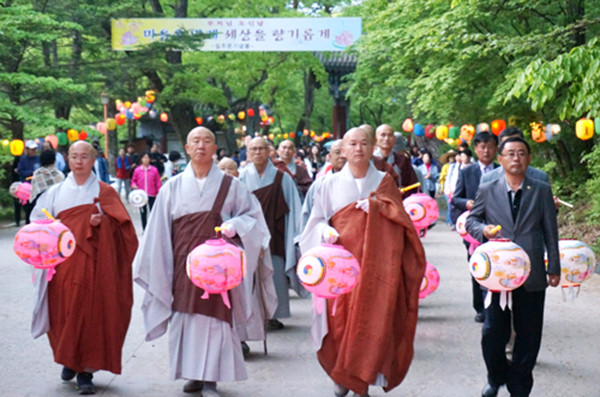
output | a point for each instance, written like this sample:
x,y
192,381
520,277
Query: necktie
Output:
x,y
515,203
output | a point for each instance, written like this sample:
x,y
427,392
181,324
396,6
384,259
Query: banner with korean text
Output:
x,y
242,34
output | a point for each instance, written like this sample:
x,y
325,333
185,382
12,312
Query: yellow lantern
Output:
x,y
16,147
285,136
441,132
111,124
72,135
584,129
241,115
537,133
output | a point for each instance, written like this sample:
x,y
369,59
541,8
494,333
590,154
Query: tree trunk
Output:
x,y
310,81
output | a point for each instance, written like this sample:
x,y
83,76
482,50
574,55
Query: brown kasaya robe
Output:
x,y
374,325
91,295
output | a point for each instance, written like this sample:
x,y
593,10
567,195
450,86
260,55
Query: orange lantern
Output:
x,y
150,96
467,132
312,134
250,112
408,125
498,126
16,147
537,133
164,117
199,120
120,119
53,141
127,104
292,135
584,129
271,136
83,135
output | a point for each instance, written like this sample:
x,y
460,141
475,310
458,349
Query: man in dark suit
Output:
x,y
524,207
485,145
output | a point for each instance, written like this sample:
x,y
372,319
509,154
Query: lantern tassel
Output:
x,y
225,298
333,309
50,274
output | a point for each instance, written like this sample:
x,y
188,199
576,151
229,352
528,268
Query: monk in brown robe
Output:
x,y
286,162
86,308
370,338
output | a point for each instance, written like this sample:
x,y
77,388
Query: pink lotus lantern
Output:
x,y
500,266
21,191
328,271
216,266
423,211
44,243
577,262
461,228
431,281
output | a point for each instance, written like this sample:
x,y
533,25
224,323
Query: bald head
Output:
x,y
336,158
286,151
260,151
357,149
369,130
385,138
82,146
82,156
228,166
200,131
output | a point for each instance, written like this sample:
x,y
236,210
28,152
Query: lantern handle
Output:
x,y
564,203
45,211
218,230
410,187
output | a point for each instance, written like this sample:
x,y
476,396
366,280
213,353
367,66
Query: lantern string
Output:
x,y
45,211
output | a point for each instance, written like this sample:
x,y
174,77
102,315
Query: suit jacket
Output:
x,y
535,228
466,189
531,173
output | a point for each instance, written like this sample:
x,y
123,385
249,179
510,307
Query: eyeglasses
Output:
x,y
511,155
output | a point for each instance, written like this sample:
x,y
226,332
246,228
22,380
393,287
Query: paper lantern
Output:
x,y
328,271
199,120
596,125
111,123
150,96
584,129
461,228
431,281
102,128
481,127
120,119
467,132
44,244
138,198
62,138
408,126
221,118
418,130
441,132
577,262
292,135
422,210
119,105
537,133
241,115
72,135
500,266
127,104
129,114
16,147
312,134
271,137
454,132
83,136
216,266
53,140
250,112
498,126
548,132
21,191
137,116
429,131
231,116
164,117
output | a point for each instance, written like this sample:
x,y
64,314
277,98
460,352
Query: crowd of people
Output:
x,y
278,203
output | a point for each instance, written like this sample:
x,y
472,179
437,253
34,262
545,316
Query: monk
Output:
x,y
370,338
204,347
287,153
86,308
281,204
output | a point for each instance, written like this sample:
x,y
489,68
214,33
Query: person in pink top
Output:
x,y
147,178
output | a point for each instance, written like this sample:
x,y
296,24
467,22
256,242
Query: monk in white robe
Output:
x,y
281,206
85,309
370,338
203,344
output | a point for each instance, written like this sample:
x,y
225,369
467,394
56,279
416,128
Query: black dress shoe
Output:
x,y
193,386
84,383
489,391
274,324
479,317
245,349
67,373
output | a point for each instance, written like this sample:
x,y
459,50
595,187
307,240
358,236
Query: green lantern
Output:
x,y
454,132
62,138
